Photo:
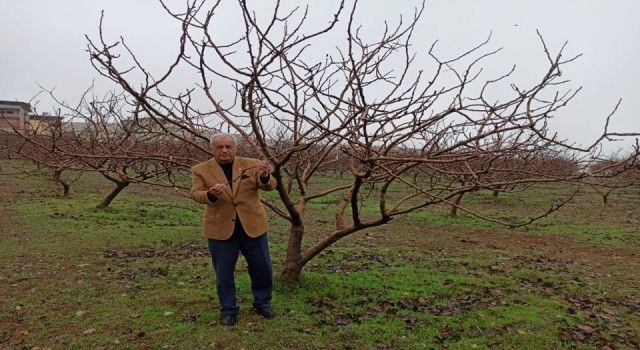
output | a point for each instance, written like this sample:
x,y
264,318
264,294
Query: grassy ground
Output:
x,y
138,275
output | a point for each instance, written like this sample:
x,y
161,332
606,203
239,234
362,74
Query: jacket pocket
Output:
x,y
210,214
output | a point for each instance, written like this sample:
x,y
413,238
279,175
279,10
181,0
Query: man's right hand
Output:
x,y
216,190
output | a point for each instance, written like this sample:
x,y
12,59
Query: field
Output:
x,y
138,275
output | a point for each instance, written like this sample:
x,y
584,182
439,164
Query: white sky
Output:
x,y
42,41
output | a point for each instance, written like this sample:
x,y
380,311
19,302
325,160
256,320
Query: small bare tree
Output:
x,y
108,136
38,145
613,173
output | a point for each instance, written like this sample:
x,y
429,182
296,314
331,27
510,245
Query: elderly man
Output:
x,y
235,221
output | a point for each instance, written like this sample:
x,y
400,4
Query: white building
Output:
x,y
14,115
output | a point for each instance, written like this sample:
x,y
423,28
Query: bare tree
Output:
x,y
109,136
37,145
614,173
367,103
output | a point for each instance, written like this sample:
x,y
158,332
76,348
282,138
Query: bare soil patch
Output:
x,y
545,250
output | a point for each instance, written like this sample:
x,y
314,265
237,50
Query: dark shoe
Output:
x,y
266,312
228,320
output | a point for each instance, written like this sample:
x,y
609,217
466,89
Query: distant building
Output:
x,y
14,115
44,124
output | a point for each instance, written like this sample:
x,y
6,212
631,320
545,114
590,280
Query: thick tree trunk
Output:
x,y
107,200
65,189
454,208
293,262
65,186
340,224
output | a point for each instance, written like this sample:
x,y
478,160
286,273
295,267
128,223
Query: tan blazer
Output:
x,y
219,216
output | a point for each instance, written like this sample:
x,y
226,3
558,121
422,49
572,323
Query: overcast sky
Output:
x,y
42,42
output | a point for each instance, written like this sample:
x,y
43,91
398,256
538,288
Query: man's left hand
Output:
x,y
264,168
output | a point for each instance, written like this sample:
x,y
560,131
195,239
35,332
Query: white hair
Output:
x,y
220,135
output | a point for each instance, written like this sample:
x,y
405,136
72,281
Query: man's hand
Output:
x,y
216,190
264,168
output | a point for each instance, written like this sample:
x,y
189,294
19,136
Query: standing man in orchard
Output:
x,y
235,221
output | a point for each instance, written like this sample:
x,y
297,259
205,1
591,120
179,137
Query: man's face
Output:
x,y
224,150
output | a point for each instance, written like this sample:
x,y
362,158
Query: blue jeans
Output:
x,y
224,255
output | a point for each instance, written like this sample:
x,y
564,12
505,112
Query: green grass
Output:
x,y
138,275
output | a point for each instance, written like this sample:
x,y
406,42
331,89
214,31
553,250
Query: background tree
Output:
x,y
614,173
108,135
39,147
